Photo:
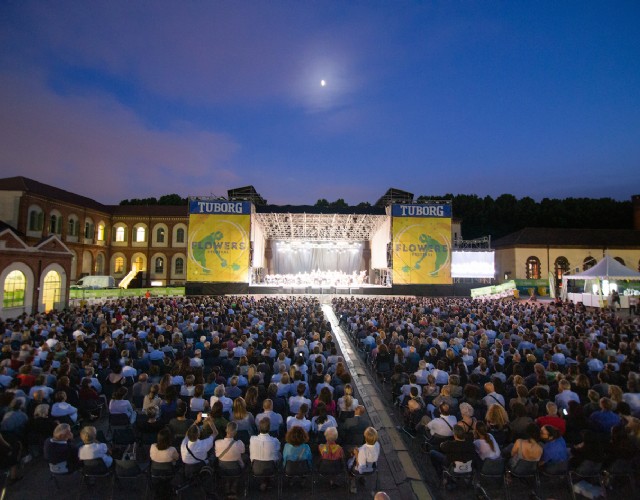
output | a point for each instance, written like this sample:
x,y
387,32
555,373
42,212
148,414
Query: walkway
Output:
x,y
399,475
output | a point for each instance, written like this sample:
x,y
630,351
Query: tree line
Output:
x,y
484,216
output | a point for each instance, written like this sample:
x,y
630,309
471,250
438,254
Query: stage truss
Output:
x,y
319,227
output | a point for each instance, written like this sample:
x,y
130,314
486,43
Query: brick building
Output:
x,y
149,242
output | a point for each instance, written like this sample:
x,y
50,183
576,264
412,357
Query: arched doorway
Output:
x,y
52,286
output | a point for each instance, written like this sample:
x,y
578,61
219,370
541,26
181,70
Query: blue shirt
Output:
x,y
555,451
296,453
604,420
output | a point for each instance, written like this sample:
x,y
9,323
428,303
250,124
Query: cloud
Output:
x,y
94,146
202,53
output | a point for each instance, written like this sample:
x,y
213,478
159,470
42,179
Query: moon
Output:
x,y
323,83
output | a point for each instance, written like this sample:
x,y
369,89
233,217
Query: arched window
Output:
x,y
141,234
51,291
55,224
561,267
100,264
73,227
36,219
120,234
100,232
533,268
139,263
14,287
160,235
159,265
89,230
118,267
621,260
180,235
588,263
179,266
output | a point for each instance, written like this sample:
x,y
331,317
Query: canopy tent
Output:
x,y
607,269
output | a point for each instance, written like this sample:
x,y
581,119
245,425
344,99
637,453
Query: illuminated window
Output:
x,y
180,236
100,232
118,265
160,235
120,234
51,290
141,234
159,265
14,287
533,268
179,266
588,263
561,267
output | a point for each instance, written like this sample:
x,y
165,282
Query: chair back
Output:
x,y
621,467
94,467
118,420
263,468
297,468
330,467
589,468
493,467
525,468
557,468
127,468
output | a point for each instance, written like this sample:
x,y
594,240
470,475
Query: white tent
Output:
x,y
607,269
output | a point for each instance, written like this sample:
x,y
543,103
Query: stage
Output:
x,y
453,290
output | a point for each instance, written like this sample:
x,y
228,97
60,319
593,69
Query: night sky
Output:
x,y
132,99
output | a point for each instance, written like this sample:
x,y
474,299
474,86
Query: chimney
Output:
x,y
635,200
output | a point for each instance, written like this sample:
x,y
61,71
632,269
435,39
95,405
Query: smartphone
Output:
x,y
205,415
565,412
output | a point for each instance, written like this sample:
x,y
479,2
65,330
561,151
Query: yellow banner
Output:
x,y
421,251
219,248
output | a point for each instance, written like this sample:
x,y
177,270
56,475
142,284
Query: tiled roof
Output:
x,y
29,185
558,237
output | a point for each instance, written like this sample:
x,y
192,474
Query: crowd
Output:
x,y
553,383
210,383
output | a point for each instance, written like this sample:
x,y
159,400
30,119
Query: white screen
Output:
x,y
472,265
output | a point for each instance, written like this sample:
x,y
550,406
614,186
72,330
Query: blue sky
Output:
x,y
120,99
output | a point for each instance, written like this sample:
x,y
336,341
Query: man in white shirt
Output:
x,y
442,425
264,448
194,449
275,419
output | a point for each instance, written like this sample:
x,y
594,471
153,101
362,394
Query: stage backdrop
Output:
x,y
421,244
219,241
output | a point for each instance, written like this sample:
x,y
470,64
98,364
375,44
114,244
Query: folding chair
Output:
x,y
296,469
490,469
458,471
371,469
620,469
266,471
230,474
330,469
589,471
94,469
523,470
128,471
555,471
